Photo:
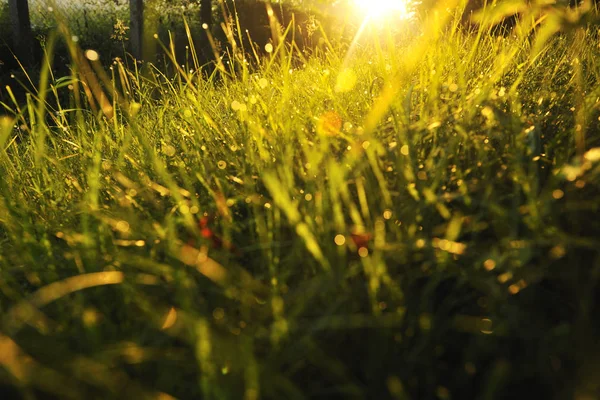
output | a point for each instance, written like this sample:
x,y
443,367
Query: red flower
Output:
x,y
361,239
207,233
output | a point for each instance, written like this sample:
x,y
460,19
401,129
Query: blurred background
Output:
x,y
106,27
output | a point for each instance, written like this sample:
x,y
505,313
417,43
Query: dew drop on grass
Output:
x,y
339,240
221,164
263,83
505,277
269,48
558,194
489,264
122,226
404,150
92,55
485,326
363,252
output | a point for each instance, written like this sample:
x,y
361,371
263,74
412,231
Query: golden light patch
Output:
x,y
170,319
134,108
592,155
329,123
346,81
204,264
6,123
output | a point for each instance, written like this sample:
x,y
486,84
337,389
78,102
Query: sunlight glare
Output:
x,y
383,8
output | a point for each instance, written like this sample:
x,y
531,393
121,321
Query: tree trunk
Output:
x,y
21,27
136,10
206,51
206,12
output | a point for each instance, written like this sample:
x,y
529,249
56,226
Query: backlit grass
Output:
x,y
410,215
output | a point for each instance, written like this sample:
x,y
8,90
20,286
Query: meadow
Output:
x,y
412,214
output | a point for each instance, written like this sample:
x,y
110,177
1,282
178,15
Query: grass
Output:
x,y
408,216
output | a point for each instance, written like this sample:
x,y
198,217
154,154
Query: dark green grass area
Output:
x,y
414,215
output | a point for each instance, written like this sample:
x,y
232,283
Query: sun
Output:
x,y
385,8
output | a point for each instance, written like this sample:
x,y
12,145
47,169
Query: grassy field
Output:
x,y
413,215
